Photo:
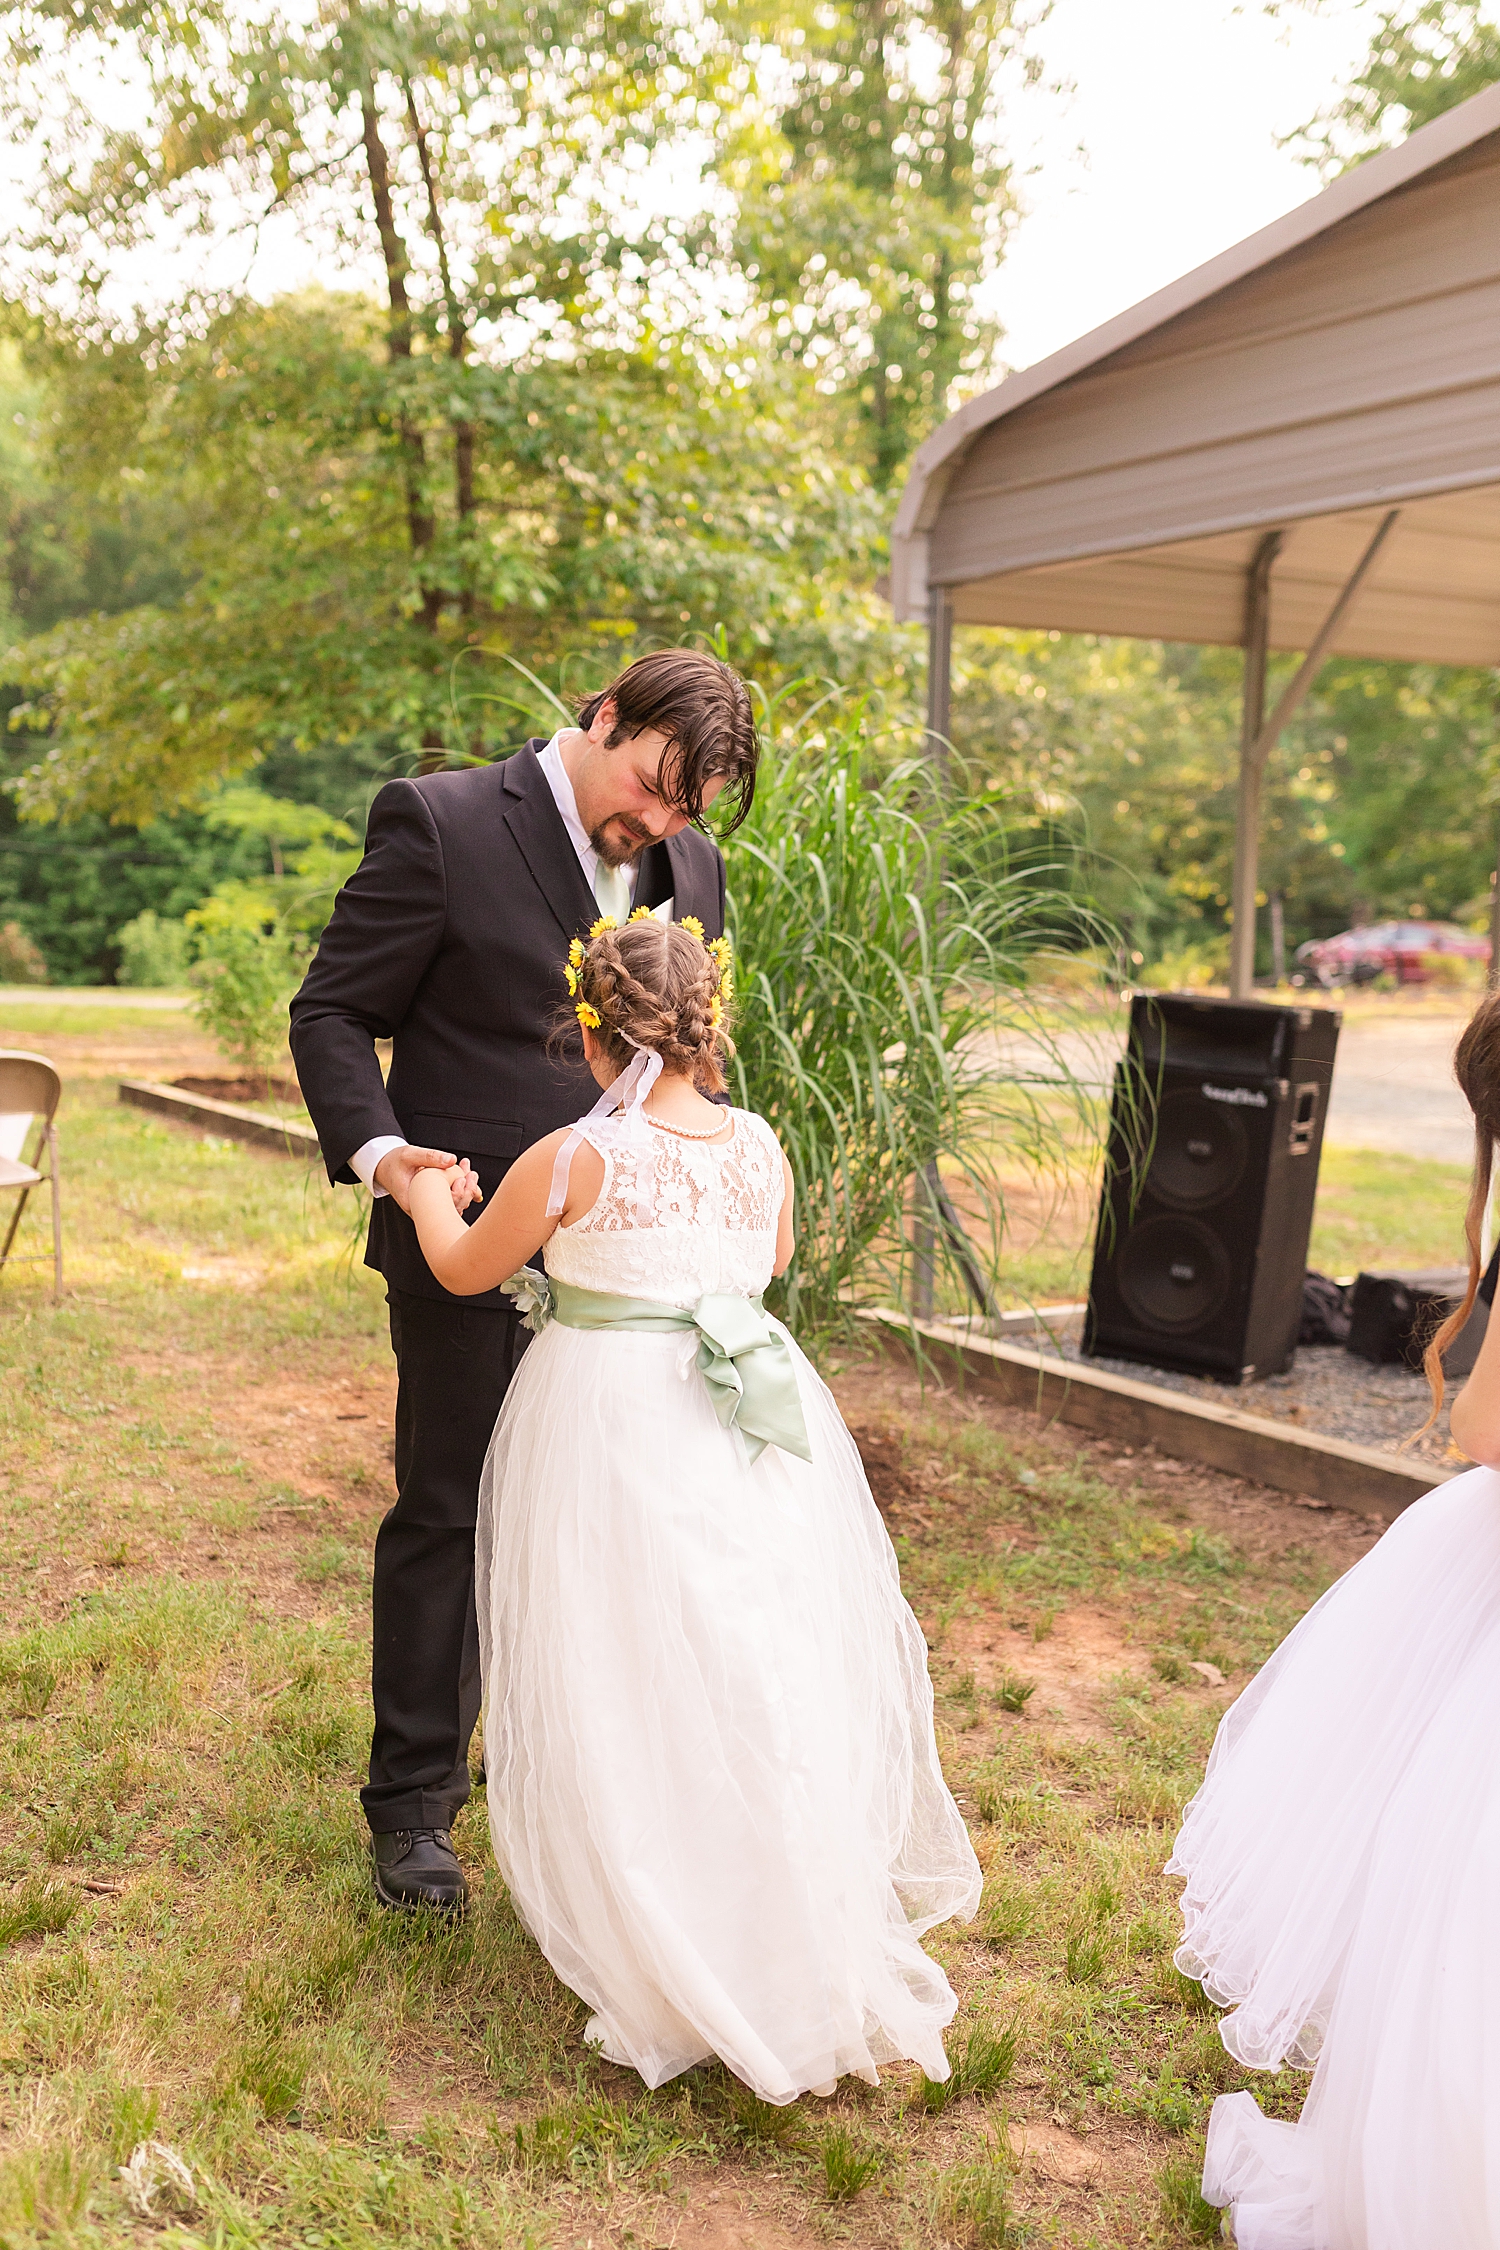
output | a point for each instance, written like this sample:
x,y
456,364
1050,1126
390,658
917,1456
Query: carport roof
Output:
x,y
1343,361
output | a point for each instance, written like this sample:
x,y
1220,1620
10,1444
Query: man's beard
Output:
x,y
618,849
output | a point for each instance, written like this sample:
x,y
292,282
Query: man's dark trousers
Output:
x,y
454,1362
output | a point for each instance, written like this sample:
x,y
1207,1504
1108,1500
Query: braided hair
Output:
x,y
657,985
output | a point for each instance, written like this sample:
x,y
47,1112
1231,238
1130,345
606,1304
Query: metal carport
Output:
x,y
1295,447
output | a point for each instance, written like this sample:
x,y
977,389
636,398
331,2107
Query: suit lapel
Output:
x,y
692,878
534,821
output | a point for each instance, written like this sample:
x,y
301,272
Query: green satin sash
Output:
x,y
745,1362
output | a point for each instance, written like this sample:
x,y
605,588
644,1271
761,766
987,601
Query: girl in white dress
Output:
x,y
713,1786
1342,1860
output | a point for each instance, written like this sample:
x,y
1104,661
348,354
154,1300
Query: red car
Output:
x,y
1398,949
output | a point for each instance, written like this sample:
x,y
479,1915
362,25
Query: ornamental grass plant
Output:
x,y
887,1023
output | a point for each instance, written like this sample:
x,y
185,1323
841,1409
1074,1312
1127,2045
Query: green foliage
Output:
x,y
870,983
246,972
983,2066
1425,57
312,855
35,1908
71,886
1383,796
153,952
21,961
1179,2184
872,198
850,2162
972,2202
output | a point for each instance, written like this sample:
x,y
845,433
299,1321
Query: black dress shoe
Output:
x,y
417,1868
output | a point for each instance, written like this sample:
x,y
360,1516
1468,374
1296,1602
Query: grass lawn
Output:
x,y
195,1456
1373,1209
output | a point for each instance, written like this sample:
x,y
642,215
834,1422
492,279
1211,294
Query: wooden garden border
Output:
x,y
1359,1477
231,1119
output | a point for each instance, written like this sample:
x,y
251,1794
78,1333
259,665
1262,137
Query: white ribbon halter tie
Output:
x,y
628,1091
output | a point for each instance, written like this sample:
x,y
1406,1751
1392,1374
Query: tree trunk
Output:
x,y
419,518
458,337
420,523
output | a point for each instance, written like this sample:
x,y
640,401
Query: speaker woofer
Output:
x,y
1173,1274
1200,1151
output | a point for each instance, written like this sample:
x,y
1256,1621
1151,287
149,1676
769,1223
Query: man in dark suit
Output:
x,y
449,940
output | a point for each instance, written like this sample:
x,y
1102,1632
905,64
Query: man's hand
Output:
x,y
400,1166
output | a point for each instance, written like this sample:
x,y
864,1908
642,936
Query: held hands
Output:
x,y
463,1185
400,1166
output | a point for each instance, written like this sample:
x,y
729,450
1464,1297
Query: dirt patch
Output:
x,y
318,1434
732,2215
1067,1669
249,1092
1057,2155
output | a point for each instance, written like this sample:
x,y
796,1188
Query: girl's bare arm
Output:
x,y
1474,1419
786,1225
469,1260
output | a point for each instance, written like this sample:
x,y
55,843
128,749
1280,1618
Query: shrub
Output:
x,y
246,973
1192,968
153,951
20,959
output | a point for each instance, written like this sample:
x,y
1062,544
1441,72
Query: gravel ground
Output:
x,y
1327,1390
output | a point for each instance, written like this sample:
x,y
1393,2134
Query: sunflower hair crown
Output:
x,y
719,949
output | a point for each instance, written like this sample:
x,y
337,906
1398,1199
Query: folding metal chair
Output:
x,y
30,1090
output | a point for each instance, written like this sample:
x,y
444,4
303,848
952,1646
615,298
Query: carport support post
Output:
x,y
939,718
1258,741
1252,718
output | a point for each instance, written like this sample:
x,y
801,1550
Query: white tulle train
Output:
x,y
712,1781
1342,1865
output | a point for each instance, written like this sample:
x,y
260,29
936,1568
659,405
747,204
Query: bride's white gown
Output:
x,y
1343,1895
712,1781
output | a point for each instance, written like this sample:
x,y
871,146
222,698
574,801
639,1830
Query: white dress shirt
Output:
x,y
364,1160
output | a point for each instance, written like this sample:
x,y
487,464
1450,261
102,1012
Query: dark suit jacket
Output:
x,y
449,939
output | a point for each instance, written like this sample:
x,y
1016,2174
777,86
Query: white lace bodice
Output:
x,y
714,1210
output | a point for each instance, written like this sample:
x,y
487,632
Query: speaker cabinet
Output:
x,y
1210,1174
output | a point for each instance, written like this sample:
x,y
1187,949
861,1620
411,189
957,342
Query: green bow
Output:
x,y
745,1362
750,1376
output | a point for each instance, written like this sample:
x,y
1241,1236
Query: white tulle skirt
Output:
x,y
1343,1897
713,1786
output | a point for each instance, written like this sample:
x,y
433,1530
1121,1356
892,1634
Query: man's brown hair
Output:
x,y
703,708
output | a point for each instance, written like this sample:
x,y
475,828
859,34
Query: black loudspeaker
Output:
x,y
1209,1179
1393,1317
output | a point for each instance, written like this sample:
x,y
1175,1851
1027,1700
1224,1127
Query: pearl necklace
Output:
x,y
682,1132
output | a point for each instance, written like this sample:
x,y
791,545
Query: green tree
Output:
x,y
1380,799
873,193
531,444
1425,57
